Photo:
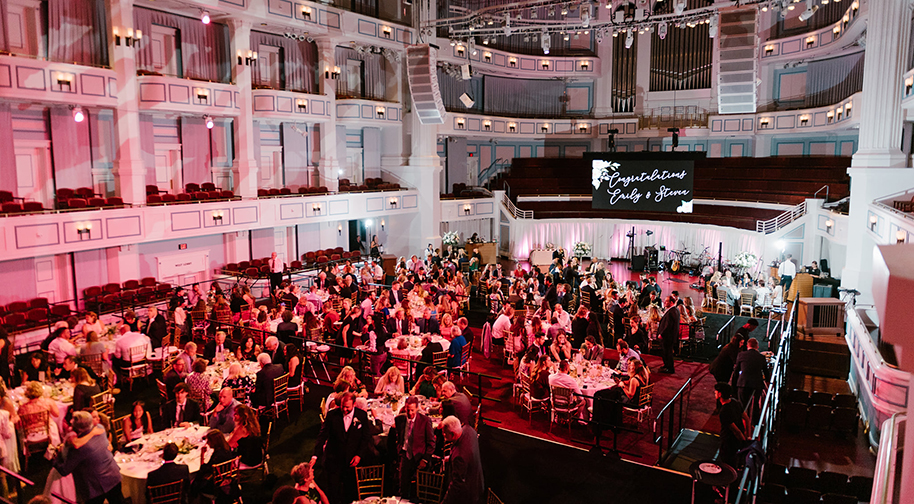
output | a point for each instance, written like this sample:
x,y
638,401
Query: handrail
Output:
x,y
671,407
720,333
775,223
486,174
22,479
513,210
820,190
886,481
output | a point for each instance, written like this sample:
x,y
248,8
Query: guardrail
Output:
x,y
771,225
887,479
674,425
516,212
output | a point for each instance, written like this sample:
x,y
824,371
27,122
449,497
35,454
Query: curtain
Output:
x,y
523,97
8,179
452,88
374,72
608,237
831,80
148,147
295,155
195,150
4,27
299,61
204,48
70,149
77,31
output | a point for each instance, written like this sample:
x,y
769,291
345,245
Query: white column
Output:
x,y
129,171
887,39
245,167
642,72
603,87
329,164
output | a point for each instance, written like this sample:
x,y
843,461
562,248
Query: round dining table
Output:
x,y
217,372
383,500
136,466
415,346
386,409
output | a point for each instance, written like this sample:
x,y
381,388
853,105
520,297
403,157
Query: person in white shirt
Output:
x,y
563,318
368,304
61,347
787,270
127,340
502,327
626,355
377,272
562,379
276,269
762,293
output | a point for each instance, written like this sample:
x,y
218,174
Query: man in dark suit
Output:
x,y
263,384
343,439
743,332
465,330
551,295
182,411
669,333
413,442
750,374
396,295
465,483
218,349
428,353
398,323
617,311
275,351
456,404
170,472
156,328
427,324
174,376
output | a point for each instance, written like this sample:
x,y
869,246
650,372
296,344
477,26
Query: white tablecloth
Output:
x,y
382,500
415,344
135,467
218,372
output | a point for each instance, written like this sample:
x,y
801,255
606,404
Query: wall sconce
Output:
x,y
487,124
379,111
331,73
461,123
545,64
316,208
248,60
908,84
64,79
847,109
130,40
392,202
583,128
830,115
837,30
829,224
512,62
804,120
845,20
544,128
302,104
810,40
840,113
901,236
854,7
382,224
339,230
461,50
467,209
769,49
386,31
487,56
764,122
585,65
873,221
512,127
306,12
217,217
202,94
84,229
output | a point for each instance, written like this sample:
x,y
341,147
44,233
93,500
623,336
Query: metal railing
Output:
x,y
668,415
725,332
513,210
20,480
766,428
775,223
887,480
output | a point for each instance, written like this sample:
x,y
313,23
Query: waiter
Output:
x,y
276,269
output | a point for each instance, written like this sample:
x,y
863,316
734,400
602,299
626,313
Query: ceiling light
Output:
x,y
209,122
205,17
546,40
629,39
78,114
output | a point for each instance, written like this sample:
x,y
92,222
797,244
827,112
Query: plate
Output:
x,y
709,468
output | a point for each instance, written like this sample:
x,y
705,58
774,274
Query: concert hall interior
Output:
x,y
602,249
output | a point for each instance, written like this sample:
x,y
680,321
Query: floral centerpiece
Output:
x,y
391,399
450,238
582,249
745,261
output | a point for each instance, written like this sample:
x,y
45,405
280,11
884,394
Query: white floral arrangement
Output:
x,y
745,260
450,238
582,249
550,246
601,171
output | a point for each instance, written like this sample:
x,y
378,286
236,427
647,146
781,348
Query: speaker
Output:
x,y
638,263
466,100
421,63
653,258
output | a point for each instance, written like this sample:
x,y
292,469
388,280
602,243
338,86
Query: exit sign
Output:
x,y
182,246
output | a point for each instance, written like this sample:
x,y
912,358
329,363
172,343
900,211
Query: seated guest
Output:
x,y
427,324
286,329
237,380
37,402
83,390
182,411
263,383
425,386
339,388
95,472
60,347
276,351
36,370
198,385
245,438
400,356
138,423
223,415
218,349
398,323
247,350
635,335
464,326
626,356
391,383
189,355
170,471
539,387
591,351
455,352
222,452
630,390
309,492
174,376
560,349
563,379
347,374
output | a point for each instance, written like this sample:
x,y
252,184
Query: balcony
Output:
x,y
368,112
28,79
186,96
290,106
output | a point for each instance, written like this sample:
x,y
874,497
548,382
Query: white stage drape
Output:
x,y
607,236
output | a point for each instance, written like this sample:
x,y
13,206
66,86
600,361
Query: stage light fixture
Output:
x,y
209,122
78,114
629,39
546,41
204,17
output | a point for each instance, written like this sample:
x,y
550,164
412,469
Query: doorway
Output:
x,y
168,169
33,174
354,166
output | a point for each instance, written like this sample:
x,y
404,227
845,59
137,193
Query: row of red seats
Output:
x,y
163,198
327,255
286,191
14,207
90,203
113,295
20,315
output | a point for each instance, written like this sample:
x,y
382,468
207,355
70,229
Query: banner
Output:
x,y
650,185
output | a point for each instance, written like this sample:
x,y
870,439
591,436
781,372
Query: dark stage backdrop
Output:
x,y
650,182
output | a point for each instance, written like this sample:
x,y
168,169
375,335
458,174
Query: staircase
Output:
x,y
738,39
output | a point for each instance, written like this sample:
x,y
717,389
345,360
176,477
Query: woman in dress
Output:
x,y
391,382
37,403
593,328
199,386
222,452
93,324
579,326
630,391
248,349
374,249
293,365
560,349
83,390
347,374
539,388
238,380
245,438
95,347
635,335
425,386
309,492
139,423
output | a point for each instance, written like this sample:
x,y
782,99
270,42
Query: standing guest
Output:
x,y
156,328
276,268
465,484
750,374
83,390
579,327
502,327
343,440
308,491
455,403
669,333
182,411
138,423
263,384
170,471
734,424
199,386
414,442
455,352
275,351
223,415
722,365
218,349
95,473
743,332
245,439
286,329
